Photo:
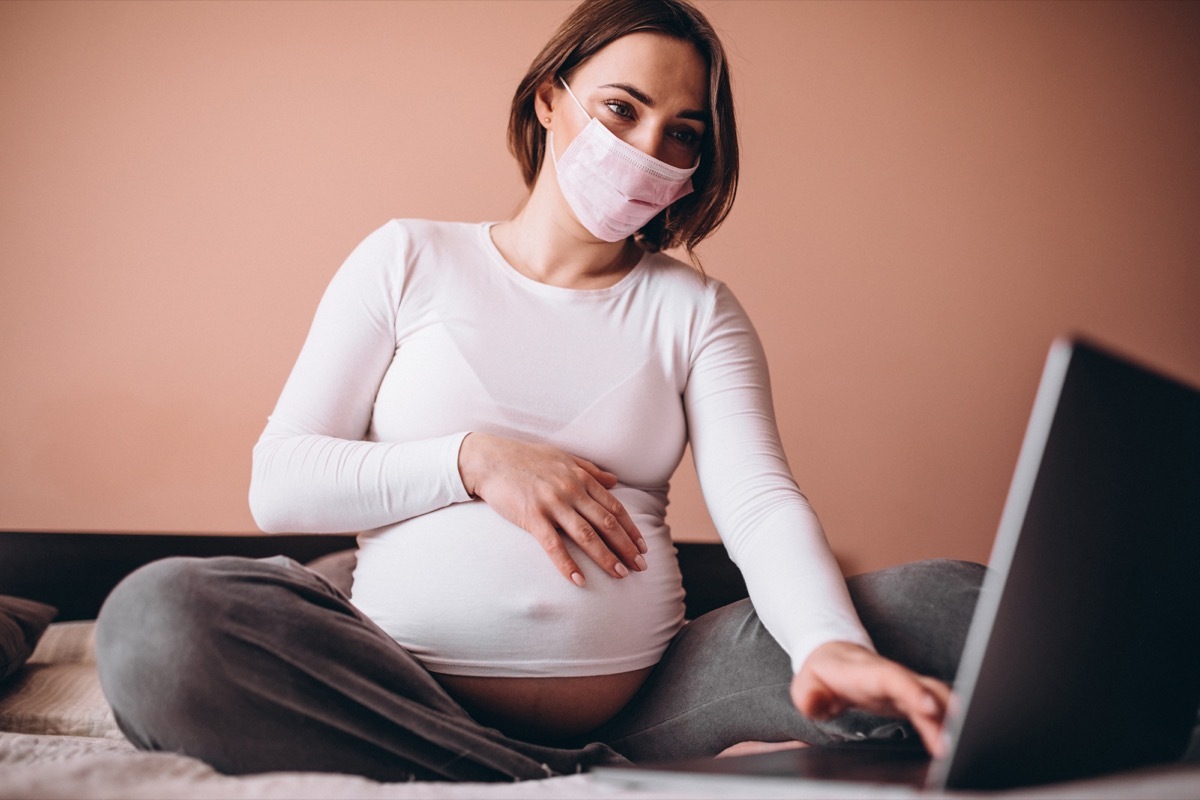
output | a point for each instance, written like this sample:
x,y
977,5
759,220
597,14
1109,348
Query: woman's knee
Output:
x,y
145,604
169,599
922,586
919,613
160,633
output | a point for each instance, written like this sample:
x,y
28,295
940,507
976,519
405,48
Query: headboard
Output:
x,y
75,571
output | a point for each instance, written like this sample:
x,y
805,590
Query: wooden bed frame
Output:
x,y
75,571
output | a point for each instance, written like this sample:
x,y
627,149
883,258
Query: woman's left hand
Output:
x,y
838,676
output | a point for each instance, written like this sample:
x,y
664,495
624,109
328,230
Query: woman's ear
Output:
x,y
544,101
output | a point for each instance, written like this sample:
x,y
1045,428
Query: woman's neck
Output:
x,y
544,242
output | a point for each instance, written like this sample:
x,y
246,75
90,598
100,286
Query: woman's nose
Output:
x,y
652,142
645,140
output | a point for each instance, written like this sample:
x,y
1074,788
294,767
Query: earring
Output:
x,y
546,120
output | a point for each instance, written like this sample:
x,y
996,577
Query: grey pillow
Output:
x,y
22,623
337,568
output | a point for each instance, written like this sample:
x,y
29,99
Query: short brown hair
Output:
x,y
590,27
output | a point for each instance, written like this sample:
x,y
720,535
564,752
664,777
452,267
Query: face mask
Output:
x,y
614,188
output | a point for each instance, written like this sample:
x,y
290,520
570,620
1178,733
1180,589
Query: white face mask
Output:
x,y
613,187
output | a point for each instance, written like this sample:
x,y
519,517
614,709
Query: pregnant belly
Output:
x,y
544,709
470,594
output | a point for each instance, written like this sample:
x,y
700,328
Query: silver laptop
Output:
x,y
1083,656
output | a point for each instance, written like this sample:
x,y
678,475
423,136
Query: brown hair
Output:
x,y
590,27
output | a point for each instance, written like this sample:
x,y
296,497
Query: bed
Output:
x,y
58,738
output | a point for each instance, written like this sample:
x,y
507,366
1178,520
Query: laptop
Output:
x,y
1083,656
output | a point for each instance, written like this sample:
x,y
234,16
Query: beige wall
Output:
x,y
931,192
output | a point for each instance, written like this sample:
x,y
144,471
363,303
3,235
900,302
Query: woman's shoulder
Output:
x,y
667,273
677,281
708,303
412,231
401,254
403,244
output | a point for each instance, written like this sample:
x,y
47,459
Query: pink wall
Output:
x,y
931,192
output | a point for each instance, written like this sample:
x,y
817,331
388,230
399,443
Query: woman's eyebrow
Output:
x,y
637,94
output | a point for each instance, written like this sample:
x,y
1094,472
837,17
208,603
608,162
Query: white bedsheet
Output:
x,y
44,767
61,767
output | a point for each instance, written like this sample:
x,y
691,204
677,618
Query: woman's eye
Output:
x,y
620,109
687,137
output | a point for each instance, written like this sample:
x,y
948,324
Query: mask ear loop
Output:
x,y
563,81
550,133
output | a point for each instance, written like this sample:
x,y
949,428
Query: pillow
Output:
x,y
22,623
337,568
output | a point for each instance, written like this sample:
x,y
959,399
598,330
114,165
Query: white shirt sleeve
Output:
x,y
312,470
766,523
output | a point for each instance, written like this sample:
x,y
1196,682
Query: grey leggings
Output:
x,y
262,665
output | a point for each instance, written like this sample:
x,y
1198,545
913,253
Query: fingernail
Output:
x,y
621,571
577,577
642,546
640,563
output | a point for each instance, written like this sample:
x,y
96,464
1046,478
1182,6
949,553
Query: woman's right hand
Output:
x,y
841,675
553,494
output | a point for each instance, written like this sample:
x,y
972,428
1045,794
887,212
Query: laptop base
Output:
x,y
849,765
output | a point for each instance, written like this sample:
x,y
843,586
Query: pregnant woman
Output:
x,y
497,408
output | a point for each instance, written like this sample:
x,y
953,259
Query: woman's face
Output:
x,y
649,89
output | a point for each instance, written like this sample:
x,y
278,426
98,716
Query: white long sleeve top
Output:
x,y
425,334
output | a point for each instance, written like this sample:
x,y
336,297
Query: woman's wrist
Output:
x,y
466,461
